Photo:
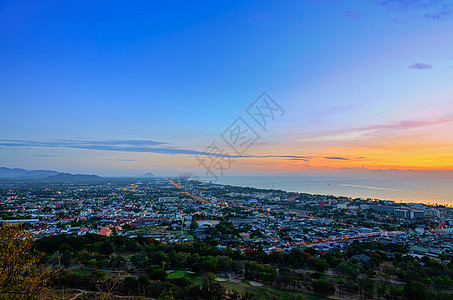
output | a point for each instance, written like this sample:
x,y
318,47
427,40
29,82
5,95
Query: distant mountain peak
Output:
x,y
149,174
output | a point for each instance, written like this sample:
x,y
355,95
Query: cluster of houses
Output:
x,y
277,221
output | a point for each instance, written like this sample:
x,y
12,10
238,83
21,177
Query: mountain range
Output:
x,y
45,175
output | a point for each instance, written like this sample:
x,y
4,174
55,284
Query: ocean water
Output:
x,y
421,190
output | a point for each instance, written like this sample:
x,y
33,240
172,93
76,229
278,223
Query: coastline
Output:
x,y
407,190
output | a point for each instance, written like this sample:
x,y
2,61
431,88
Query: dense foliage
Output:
x,y
142,264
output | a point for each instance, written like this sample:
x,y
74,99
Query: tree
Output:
x,y
212,289
224,263
155,272
206,263
367,285
321,286
418,291
311,250
143,281
383,274
342,268
19,276
321,265
130,285
166,295
194,224
107,286
106,248
174,259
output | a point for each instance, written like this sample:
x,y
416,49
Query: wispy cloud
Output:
x,y
304,157
401,125
105,145
290,157
431,9
144,146
337,158
408,124
420,66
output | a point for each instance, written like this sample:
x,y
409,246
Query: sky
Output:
x,y
125,88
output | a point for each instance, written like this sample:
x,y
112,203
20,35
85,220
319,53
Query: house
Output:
x,y
245,236
105,231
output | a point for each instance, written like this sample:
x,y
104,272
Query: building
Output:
x,y
342,206
432,213
382,208
204,224
402,213
408,213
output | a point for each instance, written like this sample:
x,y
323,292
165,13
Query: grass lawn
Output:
x,y
244,286
264,291
176,274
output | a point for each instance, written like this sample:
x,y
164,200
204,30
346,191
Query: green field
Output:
x,y
265,291
176,274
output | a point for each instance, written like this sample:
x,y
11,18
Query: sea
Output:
x,y
418,190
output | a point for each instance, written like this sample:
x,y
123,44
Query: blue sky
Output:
x,y
115,88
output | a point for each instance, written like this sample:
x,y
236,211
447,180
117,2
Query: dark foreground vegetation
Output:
x,y
96,266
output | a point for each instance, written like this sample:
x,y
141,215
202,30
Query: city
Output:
x,y
250,150
247,223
